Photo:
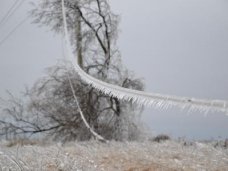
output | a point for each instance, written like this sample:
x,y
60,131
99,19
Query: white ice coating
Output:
x,y
140,97
68,53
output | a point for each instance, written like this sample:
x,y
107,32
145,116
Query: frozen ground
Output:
x,y
114,156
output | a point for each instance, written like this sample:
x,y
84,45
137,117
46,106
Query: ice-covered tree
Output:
x,y
51,107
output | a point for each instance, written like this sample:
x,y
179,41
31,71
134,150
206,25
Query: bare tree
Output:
x,y
50,107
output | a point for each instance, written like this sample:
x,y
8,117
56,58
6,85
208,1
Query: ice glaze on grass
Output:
x,y
114,156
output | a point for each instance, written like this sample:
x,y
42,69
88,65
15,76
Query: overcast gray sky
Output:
x,y
180,47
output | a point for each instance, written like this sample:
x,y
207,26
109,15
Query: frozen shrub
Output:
x,y
50,110
160,138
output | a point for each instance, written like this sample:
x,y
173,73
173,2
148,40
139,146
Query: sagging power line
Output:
x,y
156,100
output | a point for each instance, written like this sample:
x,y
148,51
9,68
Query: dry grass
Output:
x,y
114,156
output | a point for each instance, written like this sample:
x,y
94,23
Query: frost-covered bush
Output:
x,y
49,109
160,138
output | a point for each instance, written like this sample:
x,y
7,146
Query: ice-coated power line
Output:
x,y
143,98
67,52
95,134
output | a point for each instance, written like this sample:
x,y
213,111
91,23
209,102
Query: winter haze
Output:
x,y
179,47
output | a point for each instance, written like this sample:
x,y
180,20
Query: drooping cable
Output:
x,y
144,98
67,52
96,135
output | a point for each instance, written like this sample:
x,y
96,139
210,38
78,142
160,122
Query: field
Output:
x,y
113,156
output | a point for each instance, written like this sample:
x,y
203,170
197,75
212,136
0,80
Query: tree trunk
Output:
x,y
78,34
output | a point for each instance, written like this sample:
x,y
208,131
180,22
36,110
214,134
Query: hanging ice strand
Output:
x,y
144,98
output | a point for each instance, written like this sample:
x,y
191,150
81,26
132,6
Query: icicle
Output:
x,y
143,98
